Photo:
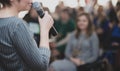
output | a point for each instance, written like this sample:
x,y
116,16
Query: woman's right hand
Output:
x,y
46,22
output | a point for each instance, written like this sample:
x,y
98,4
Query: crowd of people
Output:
x,y
84,35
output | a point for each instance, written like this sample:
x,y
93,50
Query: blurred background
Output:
x,y
71,3
72,50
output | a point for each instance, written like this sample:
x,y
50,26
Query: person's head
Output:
x,y
57,9
110,5
81,10
20,5
118,15
31,16
84,23
118,6
100,9
61,4
65,15
33,13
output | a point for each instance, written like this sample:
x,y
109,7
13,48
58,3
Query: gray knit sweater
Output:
x,y
18,50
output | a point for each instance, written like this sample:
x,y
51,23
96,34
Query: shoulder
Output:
x,y
20,21
94,36
72,35
16,23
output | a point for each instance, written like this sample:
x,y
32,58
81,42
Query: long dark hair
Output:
x,y
90,28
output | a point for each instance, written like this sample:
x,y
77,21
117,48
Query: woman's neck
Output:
x,y
8,12
83,32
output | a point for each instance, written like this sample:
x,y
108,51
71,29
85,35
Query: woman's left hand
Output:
x,y
77,61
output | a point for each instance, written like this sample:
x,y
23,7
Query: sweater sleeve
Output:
x,y
36,58
95,49
68,51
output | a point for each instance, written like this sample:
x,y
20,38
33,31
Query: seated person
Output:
x,y
116,33
65,25
101,25
82,48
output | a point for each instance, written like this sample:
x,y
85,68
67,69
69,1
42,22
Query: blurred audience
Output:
x,y
118,5
82,48
111,13
101,24
64,26
74,47
116,32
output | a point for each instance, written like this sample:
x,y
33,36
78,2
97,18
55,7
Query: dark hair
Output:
x,y
90,28
81,9
118,3
67,10
5,3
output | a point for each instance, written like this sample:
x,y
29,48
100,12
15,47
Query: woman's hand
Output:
x,y
77,61
46,22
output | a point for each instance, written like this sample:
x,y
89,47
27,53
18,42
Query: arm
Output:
x,y
63,41
71,28
45,25
95,52
68,49
36,58
95,49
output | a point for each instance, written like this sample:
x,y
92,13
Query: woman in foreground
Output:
x,y
18,50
